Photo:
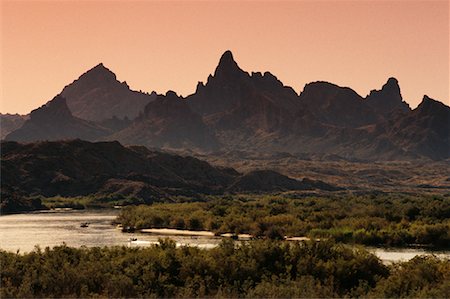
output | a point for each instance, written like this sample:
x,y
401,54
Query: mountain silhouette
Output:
x,y
335,105
54,121
388,100
255,112
425,131
97,95
168,122
10,122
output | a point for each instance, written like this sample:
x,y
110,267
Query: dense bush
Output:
x,y
423,276
393,220
255,269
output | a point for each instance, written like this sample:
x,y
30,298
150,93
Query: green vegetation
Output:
x,y
17,203
254,269
391,220
88,202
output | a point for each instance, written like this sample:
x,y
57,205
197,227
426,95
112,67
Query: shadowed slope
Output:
x,y
97,95
168,122
75,168
10,122
54,121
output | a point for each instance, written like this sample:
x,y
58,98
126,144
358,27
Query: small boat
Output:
x,y
132,239
84,224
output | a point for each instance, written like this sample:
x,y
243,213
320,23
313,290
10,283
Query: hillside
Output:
x,y
81,168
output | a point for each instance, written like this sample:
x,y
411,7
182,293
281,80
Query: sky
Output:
x,y
171,45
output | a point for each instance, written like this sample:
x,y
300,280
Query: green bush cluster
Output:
x,y
96,201
254,269
393,220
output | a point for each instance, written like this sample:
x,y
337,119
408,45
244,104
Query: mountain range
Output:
x,y
240,111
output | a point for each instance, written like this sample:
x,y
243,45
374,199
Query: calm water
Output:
x,y
51,228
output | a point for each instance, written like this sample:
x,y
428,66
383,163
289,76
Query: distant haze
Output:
x,y
162,45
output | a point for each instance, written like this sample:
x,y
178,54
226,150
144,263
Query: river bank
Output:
x,y
256,269
55,227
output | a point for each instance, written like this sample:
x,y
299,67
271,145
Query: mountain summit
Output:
x,y
388,99
97,95
227,67
98,75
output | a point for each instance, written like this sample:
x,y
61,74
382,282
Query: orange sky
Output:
x,y
161,45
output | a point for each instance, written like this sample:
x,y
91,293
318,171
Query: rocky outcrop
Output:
x,y
388,100
333,105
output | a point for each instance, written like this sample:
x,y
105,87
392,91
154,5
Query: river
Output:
x,y
51,228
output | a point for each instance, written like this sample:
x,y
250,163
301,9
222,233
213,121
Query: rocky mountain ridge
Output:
x,y
240,111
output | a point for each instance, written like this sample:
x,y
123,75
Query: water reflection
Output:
x,y
24,231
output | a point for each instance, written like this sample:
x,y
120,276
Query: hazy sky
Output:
x,y
161,45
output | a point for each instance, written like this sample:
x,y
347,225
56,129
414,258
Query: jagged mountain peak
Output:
x,y
392,81
431,106
98,74
391,87
56,108
267,78
227,58
97,95
227,66
169,105
388,99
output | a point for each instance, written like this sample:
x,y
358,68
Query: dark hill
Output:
x,y
79,168
268,180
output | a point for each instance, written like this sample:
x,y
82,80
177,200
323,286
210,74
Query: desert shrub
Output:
x,y
259,268
422,277
391,219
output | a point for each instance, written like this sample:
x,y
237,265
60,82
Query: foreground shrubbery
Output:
x,y
393,220
256,269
